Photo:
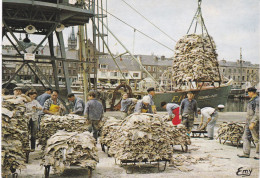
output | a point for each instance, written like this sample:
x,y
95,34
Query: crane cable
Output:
x,y
149,21
137,30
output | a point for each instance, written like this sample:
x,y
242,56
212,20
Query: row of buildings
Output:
x,y
107,71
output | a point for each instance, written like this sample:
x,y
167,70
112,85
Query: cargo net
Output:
x,y
195,60
15,136
70,149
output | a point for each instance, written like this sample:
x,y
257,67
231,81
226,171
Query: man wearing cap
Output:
x,y
125,103
188,109
151,93
143,106
211,116
18,93
78,104
252,124
172,109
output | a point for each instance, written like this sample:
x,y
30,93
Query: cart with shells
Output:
x,y
15,136
70,150
231,132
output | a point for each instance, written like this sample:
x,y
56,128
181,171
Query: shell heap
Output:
x,y
15,135
231,131
111,125
50,124
141,137
194,59
70,149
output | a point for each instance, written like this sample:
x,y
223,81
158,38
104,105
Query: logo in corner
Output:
x,y
244,171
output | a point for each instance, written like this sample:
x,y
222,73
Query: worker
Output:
x,y
252,124
172,109
33,108
151,93
93,112
17,93
53,105
143,106
125,103
103,98
43,97
77,103
188,109
211,116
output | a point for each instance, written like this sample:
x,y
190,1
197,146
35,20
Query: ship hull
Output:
x,y
207,97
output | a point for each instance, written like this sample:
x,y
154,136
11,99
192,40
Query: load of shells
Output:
x,y
50,124
141,137
66,149
110,126
195,59
231,131
15,136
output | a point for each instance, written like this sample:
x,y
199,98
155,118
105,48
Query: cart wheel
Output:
x,y
89,172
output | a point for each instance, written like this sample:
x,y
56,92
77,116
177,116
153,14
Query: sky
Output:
x,y
233,24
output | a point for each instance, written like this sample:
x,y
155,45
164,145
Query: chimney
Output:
x,y
162,58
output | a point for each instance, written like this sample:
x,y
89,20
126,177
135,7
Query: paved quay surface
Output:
x,y
205,158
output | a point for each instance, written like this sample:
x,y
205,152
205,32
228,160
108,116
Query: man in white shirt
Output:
x,y
211,116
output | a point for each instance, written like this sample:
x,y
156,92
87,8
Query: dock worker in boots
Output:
x,y
173,110
151,93
94,113
143,105
211,116
252,125
188,110
77,103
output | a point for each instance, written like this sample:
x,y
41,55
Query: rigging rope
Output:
x,y
149,21
138,30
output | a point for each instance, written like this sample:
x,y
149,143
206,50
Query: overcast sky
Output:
x,y
231,23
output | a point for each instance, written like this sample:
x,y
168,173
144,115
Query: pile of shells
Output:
x,y
110,126
231,131
15,136
178,134
50,124
141,138
195,59
70,149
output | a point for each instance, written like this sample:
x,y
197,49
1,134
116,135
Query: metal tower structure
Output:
x,y
42,17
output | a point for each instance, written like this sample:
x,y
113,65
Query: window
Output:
x,y
234,77
103,74
238,78
125,74
113,74
74,72
69,72
102,66
149,68
243,78
223,70
60,64
93,69
235,70
59,72
154,69
75,64
136,75
247,71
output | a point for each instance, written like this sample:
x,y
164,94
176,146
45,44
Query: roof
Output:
x,y
154,60
224,63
